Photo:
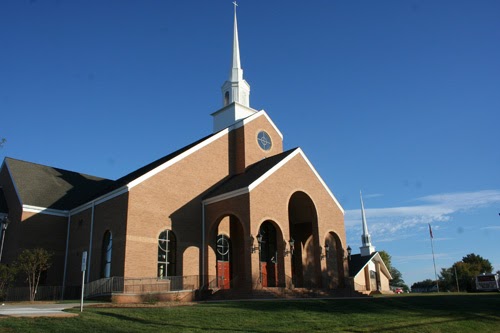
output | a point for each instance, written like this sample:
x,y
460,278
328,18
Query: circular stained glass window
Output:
x,y
264,140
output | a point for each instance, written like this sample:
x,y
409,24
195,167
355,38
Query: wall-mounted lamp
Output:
x,y
349,250
254,249
291,242
327,251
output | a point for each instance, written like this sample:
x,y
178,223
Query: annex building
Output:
x,y
233,210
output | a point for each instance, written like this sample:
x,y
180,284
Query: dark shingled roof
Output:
x,y
251,174
147,168
357,262
54,188
48,187
3,204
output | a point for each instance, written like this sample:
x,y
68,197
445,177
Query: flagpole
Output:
x,y
433,258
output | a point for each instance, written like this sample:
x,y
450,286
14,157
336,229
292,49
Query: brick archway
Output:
x,y
303,223
227,244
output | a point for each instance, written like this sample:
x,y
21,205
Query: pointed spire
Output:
x,y
367,247
363,217
236,73
236,89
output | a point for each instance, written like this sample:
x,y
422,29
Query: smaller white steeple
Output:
x,y
367,248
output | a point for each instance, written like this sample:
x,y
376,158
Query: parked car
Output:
x,y
398,290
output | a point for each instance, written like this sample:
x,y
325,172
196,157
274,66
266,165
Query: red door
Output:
x,y
223,277
269,273
263,272
223,262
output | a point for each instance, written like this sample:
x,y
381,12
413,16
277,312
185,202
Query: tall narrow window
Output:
x,y
107,246
226,98
166,254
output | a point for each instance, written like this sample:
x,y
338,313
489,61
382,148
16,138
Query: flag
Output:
x,y
430,231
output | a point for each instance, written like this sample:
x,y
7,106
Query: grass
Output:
x,y
401,313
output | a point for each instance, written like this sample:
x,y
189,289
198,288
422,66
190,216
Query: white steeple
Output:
x,y
367,248
235,91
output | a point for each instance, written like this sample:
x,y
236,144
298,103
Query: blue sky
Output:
x,y
399,99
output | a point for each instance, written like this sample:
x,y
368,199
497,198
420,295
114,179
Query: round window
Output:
x,y
264,140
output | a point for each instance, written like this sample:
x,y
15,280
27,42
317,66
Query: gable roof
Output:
x,y
257,173
251,174
53,188
358,263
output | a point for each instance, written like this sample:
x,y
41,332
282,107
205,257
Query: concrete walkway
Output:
x,y
37,310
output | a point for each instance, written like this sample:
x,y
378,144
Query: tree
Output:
x,y
447,279
2,141
423,286
466,272
397,277
33,263
386,257
7,275
477,263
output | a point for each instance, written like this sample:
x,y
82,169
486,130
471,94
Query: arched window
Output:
x,y
107,246
226,98
166,254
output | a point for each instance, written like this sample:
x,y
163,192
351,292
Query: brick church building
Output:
x,y
233,210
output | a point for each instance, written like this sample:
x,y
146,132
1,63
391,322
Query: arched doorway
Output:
x,y
334,261
227,244
303,224
268,255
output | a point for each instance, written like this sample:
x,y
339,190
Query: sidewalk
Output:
x,y
37,310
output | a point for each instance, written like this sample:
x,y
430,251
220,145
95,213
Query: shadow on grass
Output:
x,y
435,304
436,313
161,324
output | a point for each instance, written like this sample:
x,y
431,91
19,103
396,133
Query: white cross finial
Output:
x,y
235,5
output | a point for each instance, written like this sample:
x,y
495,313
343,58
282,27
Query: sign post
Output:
x,y
84,268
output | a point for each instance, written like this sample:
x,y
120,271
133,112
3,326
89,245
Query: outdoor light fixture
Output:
x,y
292,247
349,250
5,224
254,249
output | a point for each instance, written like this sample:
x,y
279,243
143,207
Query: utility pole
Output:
x,y
456,279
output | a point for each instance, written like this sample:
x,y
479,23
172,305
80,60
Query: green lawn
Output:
x,y
399,313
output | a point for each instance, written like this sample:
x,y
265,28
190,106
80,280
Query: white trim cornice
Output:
x,y
321,181
47,211
256,115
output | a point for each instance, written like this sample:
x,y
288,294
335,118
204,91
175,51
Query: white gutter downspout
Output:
x,y
90,243
66,257
203,277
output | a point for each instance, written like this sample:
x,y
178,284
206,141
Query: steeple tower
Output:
x,y
367,248
235,91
